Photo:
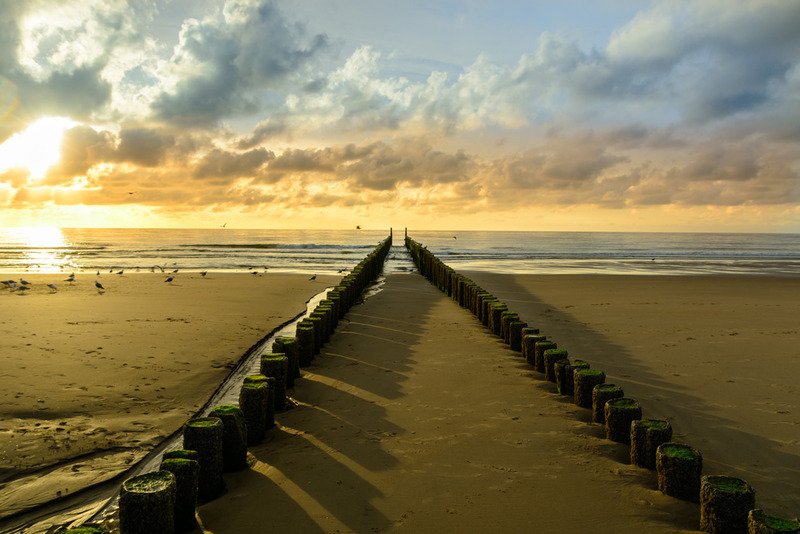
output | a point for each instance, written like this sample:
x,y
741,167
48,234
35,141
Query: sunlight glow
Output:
x,y
40,248
37,148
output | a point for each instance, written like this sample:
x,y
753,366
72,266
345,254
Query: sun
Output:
x,y
37,148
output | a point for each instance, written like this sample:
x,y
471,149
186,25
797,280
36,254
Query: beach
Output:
x,y
92,380
414,418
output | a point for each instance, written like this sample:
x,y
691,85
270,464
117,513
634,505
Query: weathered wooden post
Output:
x,y
550,357
584,381
515,335
600,394
725,503
269,382
204,435
277,365
620,413
147,504
289,347
646,436
529,347
679,468
184,465
305,344
760,522
538,350
234,437
253,400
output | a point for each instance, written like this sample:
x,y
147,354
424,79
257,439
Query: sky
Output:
x,y
605,115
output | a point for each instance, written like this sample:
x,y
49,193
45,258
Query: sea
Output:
x,y
66,250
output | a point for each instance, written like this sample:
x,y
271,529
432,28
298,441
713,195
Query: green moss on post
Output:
x,y
147,504
529,347
619,414
204,435
646,436
679,468
187,475
179,453
234,437
759,522
600,395
584,382
515,335
725,503
277,365
538,353
551,356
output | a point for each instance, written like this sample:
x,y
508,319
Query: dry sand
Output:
x,y
415,418
90,381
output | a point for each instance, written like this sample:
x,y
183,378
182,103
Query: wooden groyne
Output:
x,y
726,504
216,444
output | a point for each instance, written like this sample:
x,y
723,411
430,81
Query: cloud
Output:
x,y
219,163
225,64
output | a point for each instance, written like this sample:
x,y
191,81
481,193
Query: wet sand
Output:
x,y
91,381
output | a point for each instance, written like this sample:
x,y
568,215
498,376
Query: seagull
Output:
x,y
224,225
203,273
98,273
8,283
454,237
23,288
52,286
99,286
120,271
254,272
175,271
70,278
170,279
13,285
313,277
23,282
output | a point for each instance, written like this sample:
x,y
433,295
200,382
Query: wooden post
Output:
x,y
679,468
725,503
147,504
600,394
234,437
620,413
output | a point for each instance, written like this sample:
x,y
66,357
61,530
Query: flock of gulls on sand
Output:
x,y
23,285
